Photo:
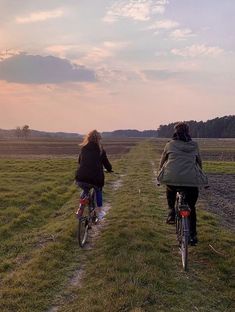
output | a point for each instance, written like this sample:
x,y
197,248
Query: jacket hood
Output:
x,y
186,147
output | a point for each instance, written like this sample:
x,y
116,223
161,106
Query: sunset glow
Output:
x,y
124,64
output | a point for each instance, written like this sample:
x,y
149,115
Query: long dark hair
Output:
x,y
181,132
93,136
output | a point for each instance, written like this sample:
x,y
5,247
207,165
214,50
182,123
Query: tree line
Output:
x,y
220,127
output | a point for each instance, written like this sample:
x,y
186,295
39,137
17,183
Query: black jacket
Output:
x,y
91,161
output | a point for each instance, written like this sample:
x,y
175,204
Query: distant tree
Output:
x,y
25,131
18,132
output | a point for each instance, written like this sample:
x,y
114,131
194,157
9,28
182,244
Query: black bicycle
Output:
x,y
182,214
86,216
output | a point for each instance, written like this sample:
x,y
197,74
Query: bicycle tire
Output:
x,y
184,243
178,227
82,231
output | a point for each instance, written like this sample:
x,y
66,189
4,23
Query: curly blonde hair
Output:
x,y
93,136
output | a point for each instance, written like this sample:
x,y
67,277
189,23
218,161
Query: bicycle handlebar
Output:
x,y
113,172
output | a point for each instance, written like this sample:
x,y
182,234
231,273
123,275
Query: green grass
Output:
x,y
227,167
135,265
37,244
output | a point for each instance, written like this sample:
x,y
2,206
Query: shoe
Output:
x,y
101,215
193,240
171,218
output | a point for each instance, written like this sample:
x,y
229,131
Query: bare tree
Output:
x,y
25,131
18,132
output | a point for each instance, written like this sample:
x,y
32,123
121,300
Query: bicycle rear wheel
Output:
x,y
82,231
184,243
83,226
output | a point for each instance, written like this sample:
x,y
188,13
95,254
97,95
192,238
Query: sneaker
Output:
x,y
193,241
101,215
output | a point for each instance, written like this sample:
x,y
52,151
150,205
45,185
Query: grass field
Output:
x,y
133,263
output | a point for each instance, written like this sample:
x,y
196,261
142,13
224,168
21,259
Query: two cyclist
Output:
x,y
181,168
90,173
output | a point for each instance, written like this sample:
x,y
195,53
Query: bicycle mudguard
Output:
x,y
84,201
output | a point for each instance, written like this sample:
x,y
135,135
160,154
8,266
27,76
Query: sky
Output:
x,y
78,65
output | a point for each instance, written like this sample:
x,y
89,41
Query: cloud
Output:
x,y
70,51
39,16
36,69
172,28
140,10
164,24
160,74
198,51
109,75
181,34
107,49
5,54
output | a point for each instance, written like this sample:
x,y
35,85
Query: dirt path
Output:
x,y
80,273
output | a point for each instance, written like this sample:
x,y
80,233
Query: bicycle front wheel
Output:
x,y
83,225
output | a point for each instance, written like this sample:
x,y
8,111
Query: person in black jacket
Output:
x,y
92,159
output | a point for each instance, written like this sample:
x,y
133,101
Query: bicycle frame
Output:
x,y
88,200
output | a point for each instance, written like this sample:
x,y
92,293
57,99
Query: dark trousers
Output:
x,y
191,196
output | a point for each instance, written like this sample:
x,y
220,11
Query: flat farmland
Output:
x,y
219,163
217,149
211,149
59,147
134,264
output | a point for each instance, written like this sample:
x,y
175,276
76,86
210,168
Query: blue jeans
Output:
x,y
98,192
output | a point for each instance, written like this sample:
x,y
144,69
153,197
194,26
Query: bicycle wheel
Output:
x,y
178,227
82,231
184,243
83,226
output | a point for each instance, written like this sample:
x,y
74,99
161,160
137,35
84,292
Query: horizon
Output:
x,y
127,129
125,64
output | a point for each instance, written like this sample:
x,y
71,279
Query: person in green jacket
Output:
x,y
181,167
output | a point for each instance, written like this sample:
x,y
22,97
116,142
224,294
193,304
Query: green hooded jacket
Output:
x,y
181,165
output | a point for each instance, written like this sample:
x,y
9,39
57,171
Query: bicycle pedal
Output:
x,y
96,220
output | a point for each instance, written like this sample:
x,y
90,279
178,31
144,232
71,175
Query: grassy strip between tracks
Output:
x,y
136,266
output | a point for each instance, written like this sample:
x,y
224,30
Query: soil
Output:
x,y
226,155
220,198
57,148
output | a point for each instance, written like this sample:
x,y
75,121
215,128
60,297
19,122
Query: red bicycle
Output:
x,y
86,216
